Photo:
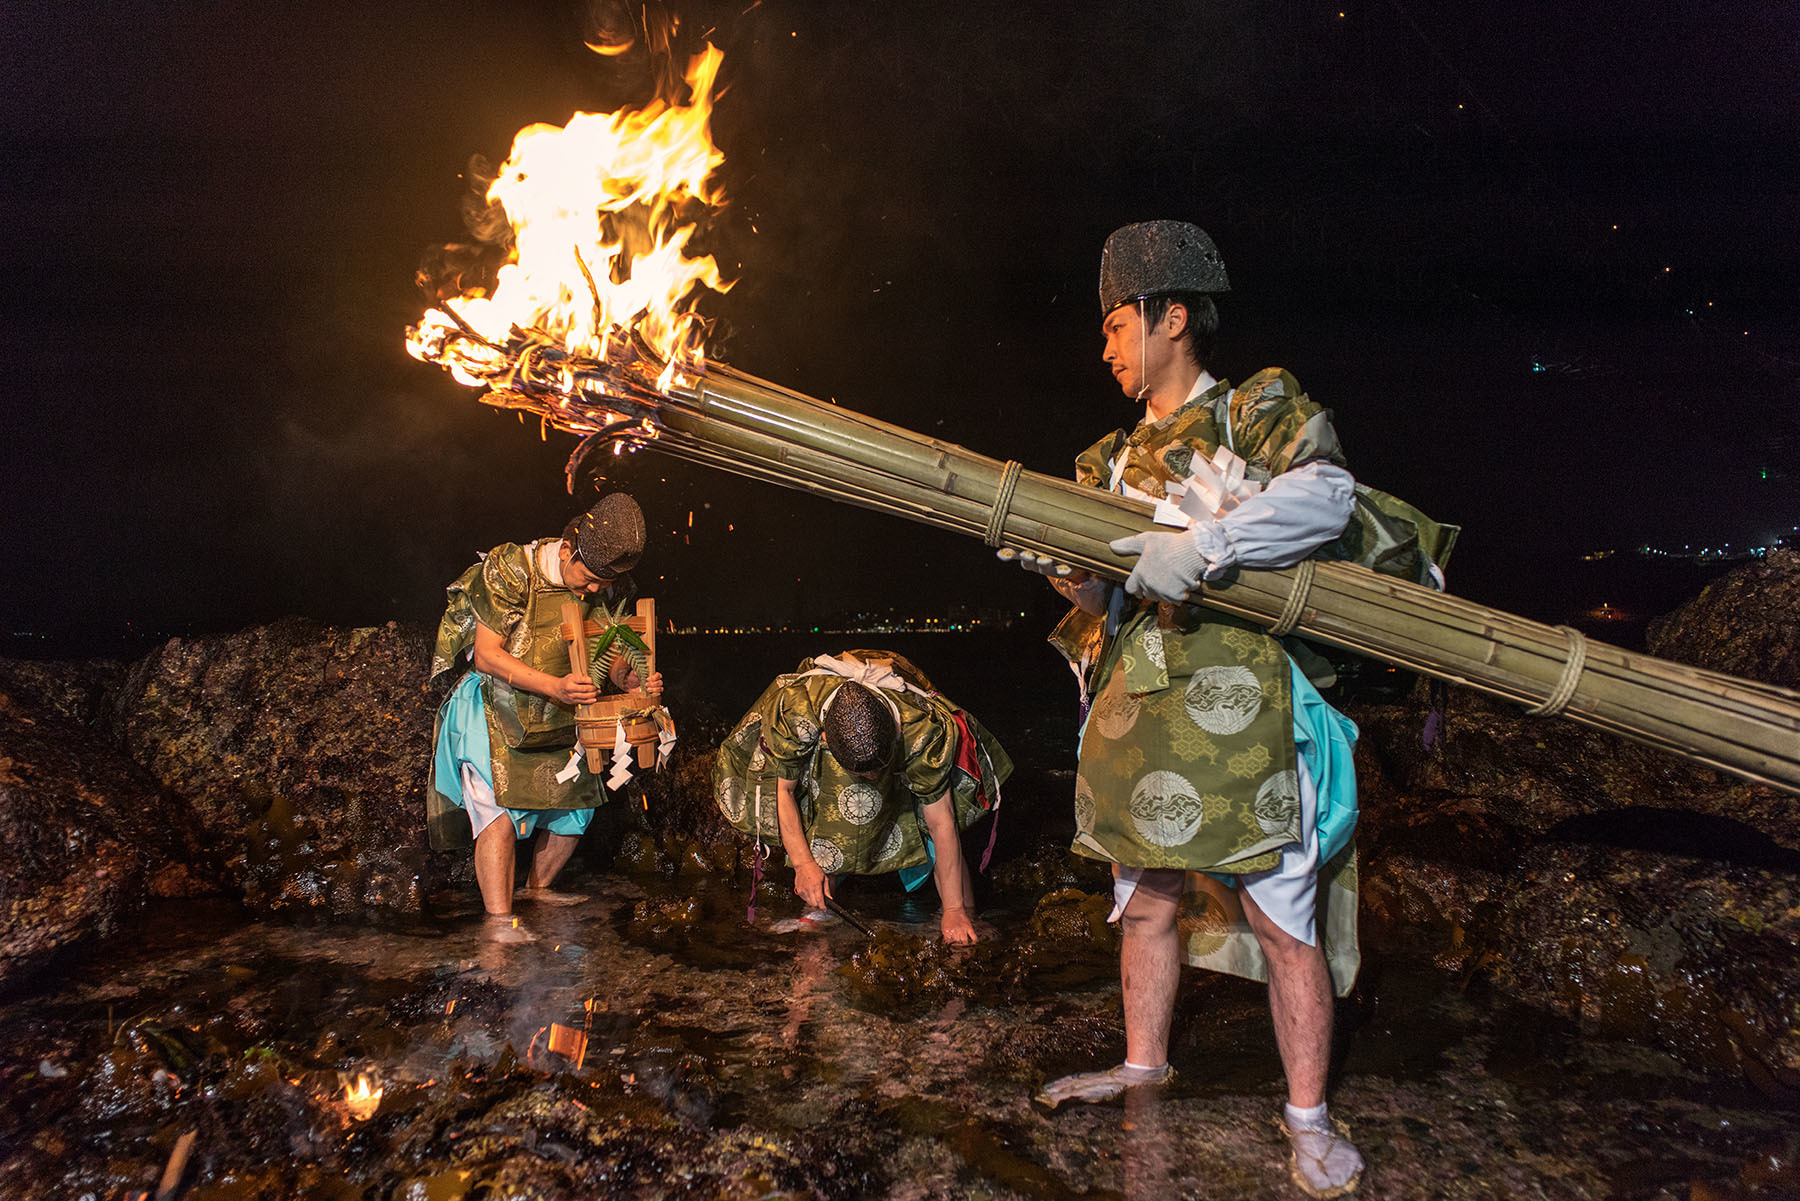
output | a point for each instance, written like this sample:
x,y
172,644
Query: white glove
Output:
x,y
1041,564
1088,595
1169,563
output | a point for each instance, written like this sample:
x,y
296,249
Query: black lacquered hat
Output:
x,y
609,538
1155,258
859,728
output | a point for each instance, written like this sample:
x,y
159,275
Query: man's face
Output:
x,y
578,578
1143,357
1134,362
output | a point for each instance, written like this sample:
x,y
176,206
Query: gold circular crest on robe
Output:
x,y
1085,806
731,799
1224,699
1166,809
829,857
1277,801
892,843
543,777
1115,710
1153,647
1202,924
859,802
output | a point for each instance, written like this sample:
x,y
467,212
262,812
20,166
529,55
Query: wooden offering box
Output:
x,y
599,721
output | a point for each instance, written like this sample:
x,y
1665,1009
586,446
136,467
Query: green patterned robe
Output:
x,y
530,736
1187,759
863,827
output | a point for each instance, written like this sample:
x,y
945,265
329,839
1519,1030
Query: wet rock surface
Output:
x,y
1665,948
1746,624
301,751
1554,888
1580,964
786,1078
87,835
1615,885
80,691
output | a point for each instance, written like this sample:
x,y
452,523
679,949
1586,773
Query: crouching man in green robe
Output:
x,y
1211,775
507,763
858,765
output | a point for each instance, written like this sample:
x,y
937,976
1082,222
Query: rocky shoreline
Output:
x,y
1616,893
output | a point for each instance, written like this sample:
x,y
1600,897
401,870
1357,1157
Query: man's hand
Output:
x,y
1169,564
1076,586
958,928
652,687
575,689
811,882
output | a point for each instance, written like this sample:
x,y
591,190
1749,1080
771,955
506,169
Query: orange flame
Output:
x,y
362,1098
602,211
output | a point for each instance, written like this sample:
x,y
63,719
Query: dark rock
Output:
x,y
302,750
1746,624
897,971
1594,878
78,691
1045,865
1676,951
1528,772
1434,869
1072,916
87,837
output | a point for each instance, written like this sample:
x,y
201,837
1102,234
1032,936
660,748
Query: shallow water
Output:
x,y
724,1060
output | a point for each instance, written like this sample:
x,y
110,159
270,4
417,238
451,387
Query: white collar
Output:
x,y
1200,388
550,561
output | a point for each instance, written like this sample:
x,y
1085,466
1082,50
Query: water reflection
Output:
x,y
1144,1151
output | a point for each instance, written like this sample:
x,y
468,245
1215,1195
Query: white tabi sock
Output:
x,y
1306,1119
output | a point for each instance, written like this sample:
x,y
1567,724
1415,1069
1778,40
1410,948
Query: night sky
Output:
x,y
1542,266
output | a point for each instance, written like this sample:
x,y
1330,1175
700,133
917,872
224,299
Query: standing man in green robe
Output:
x,y
859,766
1211,775
507,763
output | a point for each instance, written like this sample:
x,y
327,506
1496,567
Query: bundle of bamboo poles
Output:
x,y
724,418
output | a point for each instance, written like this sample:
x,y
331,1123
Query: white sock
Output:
x,y
1138,1067
1306,1119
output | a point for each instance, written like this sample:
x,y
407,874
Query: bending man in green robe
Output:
x,y
1212,776
505,742
859,766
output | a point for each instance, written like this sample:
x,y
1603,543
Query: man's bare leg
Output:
x,y
494,864
552,855
1149,972
1299,1003
1325,1163
495,855
1150,965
